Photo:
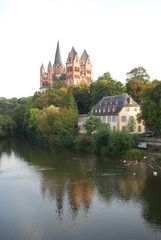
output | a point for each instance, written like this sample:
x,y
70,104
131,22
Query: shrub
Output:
x,y
101,140
83,142
121,142
158,159
134,154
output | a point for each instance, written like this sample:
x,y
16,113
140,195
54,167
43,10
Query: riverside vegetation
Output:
x,y
50,118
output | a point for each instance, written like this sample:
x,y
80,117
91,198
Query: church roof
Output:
x,y
57,60
49,64
112,105
73,53
84,56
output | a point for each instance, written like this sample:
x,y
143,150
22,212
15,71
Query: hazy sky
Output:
x,y
117,34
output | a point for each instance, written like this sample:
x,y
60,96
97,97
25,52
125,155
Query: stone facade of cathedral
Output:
x,y
77,71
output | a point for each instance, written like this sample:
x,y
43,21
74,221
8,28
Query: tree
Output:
x,y
135,89
151,108
58,125
83,98
92,124
131,124
138,73
105,86
70,101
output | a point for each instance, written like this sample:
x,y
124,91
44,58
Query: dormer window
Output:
x,y
128,100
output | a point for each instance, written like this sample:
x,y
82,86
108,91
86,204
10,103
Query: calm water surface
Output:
x,y
46,195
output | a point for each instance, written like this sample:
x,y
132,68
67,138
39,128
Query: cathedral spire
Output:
x,y
57,60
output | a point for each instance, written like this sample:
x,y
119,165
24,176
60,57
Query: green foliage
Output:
x,y
151,108
58,125
134,154
19,118
92,124
101,140
83,98
83,142
70,101
52,96
135,88
138,73
6,125
131,124
105,86
158,159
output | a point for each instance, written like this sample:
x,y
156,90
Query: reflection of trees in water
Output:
x,y
152,201
69,179
5,147
78,191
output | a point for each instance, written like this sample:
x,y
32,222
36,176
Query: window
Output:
x,y
103,119
109,118
113,109
108,109
104,110
128,99
139,128
114,118
135,109
127,109
131,118
123,119
99,110
95,110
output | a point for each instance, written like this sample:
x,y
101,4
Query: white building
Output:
x,y
117,111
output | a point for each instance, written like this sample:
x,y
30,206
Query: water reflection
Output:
x,y
74,183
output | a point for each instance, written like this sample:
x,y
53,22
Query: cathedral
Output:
x,y
77,70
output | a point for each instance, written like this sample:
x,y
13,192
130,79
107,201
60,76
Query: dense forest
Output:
x,y
50,117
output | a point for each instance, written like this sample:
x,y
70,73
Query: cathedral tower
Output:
x,y
72,68
86,68
58,68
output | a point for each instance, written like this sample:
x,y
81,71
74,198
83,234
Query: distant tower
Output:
x,y
72,68
50,73
58,68
43,78
86,68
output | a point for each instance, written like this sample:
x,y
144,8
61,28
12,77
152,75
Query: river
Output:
x,y
61,194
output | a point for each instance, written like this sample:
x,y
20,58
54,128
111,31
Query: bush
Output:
x,y
101,140
121,142
158,159
134,154
83,142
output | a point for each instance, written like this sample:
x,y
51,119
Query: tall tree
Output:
x,y
70,101
105,86
138,73
151,108
83,98
135,89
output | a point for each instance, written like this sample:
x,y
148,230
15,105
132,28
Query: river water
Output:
x,y
60,194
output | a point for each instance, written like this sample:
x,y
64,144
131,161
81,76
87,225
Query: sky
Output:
x,y
118,35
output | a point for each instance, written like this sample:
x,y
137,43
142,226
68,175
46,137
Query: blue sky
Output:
x,y
118,36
